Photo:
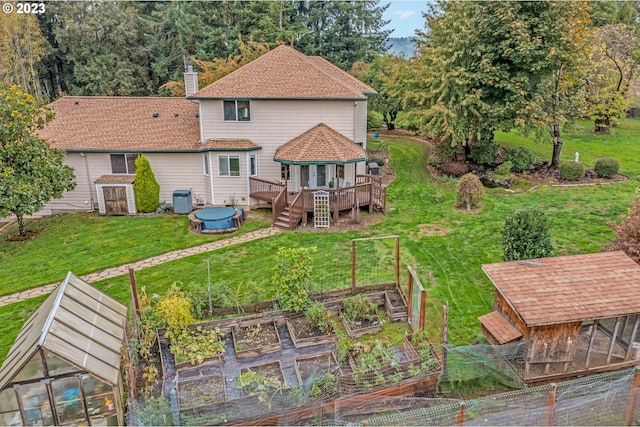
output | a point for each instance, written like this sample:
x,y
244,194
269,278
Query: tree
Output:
x,y
31,172
380,76
145,186
526,235
469,191
613,67
291,276
628,234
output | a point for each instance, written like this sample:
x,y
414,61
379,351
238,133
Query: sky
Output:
x,y
405,16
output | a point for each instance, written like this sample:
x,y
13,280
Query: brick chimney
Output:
x,y
190,81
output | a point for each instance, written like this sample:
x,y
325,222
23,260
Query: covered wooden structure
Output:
x,y
64,367
579,314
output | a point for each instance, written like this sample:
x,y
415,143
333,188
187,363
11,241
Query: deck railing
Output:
x,y
278,204
264,190
296,210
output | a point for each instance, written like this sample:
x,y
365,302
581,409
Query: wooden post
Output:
x,y
633,395
460,418
134,292
614,335
551,404
445,338
423,308
353,266
410,302
632,337
398,261
591,341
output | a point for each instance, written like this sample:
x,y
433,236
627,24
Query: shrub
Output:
x,y
571,171
607,167
628,234
469,191
374,121
146,187
504,169
318,316
454,169
526,235
176,311
485,152
521,158
446,151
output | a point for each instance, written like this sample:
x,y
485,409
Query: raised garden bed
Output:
x,y
256,339
356,329
318,372
396,306
198,392
273,369
303,334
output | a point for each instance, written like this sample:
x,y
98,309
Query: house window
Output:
x,y
229,165
205,164
285,172
236,111
253,165
123,163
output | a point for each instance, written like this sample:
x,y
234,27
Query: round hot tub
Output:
x,y
216,218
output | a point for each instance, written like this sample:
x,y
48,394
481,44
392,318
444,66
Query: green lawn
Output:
x,y
453,255
88,242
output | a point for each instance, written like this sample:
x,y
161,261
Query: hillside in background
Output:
x,y
402,47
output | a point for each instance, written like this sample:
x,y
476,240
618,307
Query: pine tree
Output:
x,y
146,187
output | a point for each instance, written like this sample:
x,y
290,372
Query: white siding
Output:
x,y
229,188
274,123
179,171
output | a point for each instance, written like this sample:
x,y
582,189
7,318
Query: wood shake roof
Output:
x,y
318,145
569,288
285,73
114,123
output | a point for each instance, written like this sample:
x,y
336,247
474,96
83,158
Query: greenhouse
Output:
x,y
64,366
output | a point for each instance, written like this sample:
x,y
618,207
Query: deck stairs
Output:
x,y
285,220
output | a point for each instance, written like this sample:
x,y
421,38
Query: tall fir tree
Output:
x,y
146,187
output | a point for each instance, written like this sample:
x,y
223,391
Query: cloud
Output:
x,y
404,14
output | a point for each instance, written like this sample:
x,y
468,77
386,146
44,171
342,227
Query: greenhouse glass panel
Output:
x,y
99,395
35,402
10,418
68,399
8,401
57,366
32,370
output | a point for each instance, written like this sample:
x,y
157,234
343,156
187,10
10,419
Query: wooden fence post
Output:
x,y
551,404
134,292
353,266
460,418
633,395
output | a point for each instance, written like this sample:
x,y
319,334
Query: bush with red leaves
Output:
x,y
454,169
628,234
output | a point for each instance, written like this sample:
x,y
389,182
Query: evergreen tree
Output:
x,y
526,235
31,172
146,187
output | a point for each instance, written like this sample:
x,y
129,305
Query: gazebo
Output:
x,y
580,314
64,366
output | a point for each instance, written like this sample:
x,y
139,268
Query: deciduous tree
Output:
x,y
628,233
31,172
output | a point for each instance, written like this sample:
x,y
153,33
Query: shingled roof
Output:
x,y
320,145
285,73
114,123
569,288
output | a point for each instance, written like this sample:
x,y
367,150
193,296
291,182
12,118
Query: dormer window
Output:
x,y
236,111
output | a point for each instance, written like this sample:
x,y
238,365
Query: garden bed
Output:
x,y
303,334
396,306
256,339
357,329
319,373
193,393
273,370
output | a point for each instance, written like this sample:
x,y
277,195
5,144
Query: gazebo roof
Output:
x,y
320,145
77,323
568,289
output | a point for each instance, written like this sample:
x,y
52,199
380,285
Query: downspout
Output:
x,y
211,177
355,106
248,158
86,167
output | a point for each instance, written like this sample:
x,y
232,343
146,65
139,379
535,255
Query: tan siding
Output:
x,y
179,171
274,123
83,192
226,188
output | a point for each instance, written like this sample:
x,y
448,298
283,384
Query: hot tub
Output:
x,y
216,218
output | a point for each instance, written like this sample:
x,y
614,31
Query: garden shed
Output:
x,y
64,366
574,314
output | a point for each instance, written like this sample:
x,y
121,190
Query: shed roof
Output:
x,y
77,323
567,289
320,145
499,327
118,123
285,73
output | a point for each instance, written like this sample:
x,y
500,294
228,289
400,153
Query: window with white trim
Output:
x,y
253,165
205,164
228,165
123,163
236,111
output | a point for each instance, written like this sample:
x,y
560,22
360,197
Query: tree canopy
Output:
x,y
31,172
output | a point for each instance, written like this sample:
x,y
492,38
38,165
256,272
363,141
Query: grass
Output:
x,y
87,242
418,202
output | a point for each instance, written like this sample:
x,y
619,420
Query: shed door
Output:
x,y
115,200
